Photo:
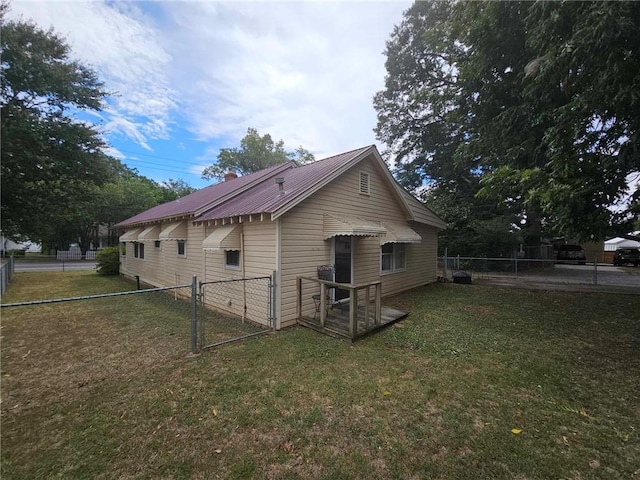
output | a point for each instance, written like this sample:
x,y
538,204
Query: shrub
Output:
x,y
108,261
15,253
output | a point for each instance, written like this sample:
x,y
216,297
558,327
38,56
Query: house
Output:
x,y
7,245
346,211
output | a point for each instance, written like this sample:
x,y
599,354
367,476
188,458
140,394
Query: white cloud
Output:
x,y
304,72
121,43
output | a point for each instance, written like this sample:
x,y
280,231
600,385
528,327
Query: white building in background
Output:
x,y
7,245
615,243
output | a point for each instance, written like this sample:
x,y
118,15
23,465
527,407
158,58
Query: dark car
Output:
x,y
627,255
571,253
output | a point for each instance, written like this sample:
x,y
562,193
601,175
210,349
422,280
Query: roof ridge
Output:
x,y
334,156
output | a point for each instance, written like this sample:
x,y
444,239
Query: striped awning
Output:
x,y
175,231
334,225
150,234
223,238
399,233
130,235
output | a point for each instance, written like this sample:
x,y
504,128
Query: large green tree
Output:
x,y
50,159
256,152
529,107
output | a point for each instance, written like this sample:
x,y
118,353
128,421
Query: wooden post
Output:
x,y
367,292
299,298
353,313
323,303
378,303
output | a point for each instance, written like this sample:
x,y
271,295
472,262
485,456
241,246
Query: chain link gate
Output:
x,y
232,310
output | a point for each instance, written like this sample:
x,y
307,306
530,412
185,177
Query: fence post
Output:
x,y
194,310
353,313
595,271
515,266
274,288
446,274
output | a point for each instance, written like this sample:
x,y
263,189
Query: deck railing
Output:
x,y
359,295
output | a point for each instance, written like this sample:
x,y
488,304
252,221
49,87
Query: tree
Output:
x,y
256,152
179,188
50,159
532,105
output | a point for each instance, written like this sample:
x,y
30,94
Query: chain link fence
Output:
x,y
231,310
545,271
6,273
149,318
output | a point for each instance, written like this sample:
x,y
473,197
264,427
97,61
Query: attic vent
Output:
x,y
364,183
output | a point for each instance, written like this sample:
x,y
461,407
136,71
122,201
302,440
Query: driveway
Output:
x,y
572,278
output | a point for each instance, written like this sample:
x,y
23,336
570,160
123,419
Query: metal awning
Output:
x,y
334,226
399,233
175,231
150,234
223,238
130,235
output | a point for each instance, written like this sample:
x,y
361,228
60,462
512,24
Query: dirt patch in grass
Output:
x,y
107,391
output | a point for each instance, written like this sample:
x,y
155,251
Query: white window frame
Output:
x,y
184,244
230,266
398,251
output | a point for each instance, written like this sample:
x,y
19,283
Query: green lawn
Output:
x,y
107,390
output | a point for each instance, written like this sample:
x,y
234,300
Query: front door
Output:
x,y
342,253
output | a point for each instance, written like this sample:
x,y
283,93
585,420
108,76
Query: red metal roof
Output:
x,y
196,201
265,197
258,192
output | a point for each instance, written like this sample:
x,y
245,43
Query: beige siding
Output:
x,y
304,247
163,267
258,260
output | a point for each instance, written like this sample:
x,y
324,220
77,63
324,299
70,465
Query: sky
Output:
x,y
187,78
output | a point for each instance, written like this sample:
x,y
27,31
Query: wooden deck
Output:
x,y
337,322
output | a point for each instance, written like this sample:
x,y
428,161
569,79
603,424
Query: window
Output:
x,y
364,183
182,252
232,258
393,257
138,250
157,243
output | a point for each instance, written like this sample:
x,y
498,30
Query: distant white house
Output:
x,y
7,245
615,243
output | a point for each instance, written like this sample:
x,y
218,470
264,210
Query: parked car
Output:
x,y
571,253
627,255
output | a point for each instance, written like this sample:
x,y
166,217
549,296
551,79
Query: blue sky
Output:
x,y
189,78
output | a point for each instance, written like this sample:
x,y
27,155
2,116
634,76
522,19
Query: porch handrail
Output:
x,y
353,301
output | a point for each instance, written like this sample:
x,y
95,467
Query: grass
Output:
x,y
107,391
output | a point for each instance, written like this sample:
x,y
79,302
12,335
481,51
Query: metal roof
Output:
x,y
259,193
266,196
193,203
